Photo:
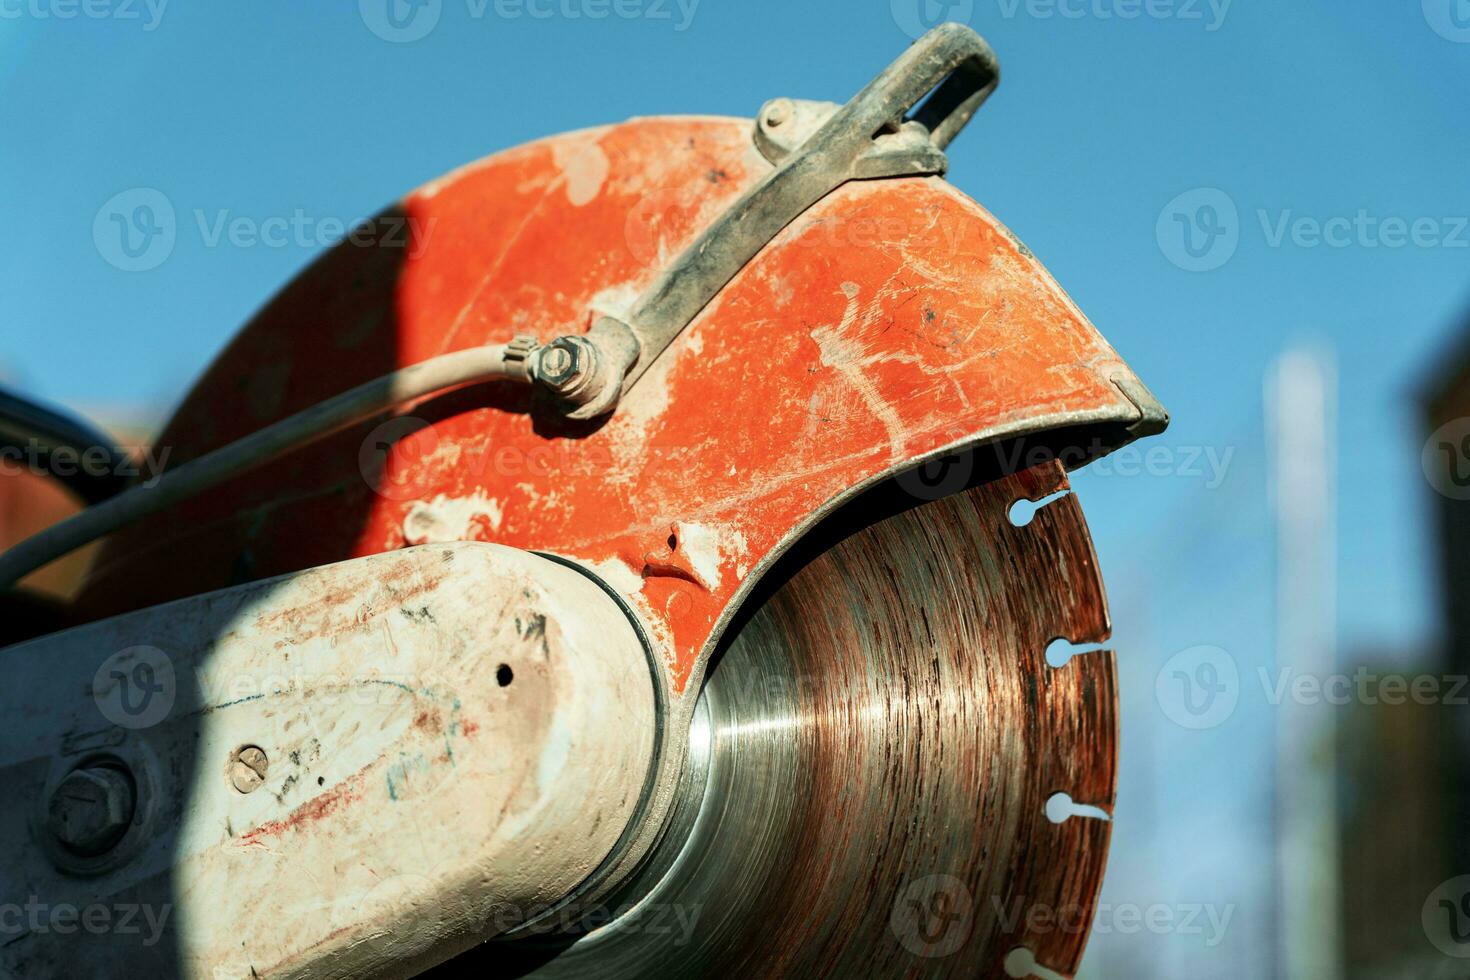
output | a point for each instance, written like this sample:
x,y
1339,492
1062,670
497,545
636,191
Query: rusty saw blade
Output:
x,y
871,764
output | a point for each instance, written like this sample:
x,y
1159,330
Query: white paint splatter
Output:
x,y
709,548
701,546
584,166
446,519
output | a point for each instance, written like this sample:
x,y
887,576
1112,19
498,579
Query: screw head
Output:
x,y
777,113
248,769
91,809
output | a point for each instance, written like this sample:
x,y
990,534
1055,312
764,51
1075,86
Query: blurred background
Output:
x,y
1263,206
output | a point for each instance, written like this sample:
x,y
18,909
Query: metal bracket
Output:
x,y
783,126
823,149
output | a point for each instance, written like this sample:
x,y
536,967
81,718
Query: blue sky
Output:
x,y
1289,113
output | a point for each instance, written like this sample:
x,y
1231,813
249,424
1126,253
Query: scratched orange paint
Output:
x,y
893,319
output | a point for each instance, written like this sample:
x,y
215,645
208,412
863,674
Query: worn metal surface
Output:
x,y
431,737
867,137
893,322
871,763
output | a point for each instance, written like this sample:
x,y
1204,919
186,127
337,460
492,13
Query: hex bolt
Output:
x,y
777,113
248,769
91,809
564,364
557,361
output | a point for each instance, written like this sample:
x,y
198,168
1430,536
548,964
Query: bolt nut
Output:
x,y
248,768
91,810
558,362
564,364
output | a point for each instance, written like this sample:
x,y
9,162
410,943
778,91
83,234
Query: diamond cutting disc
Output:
x,y
870,767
